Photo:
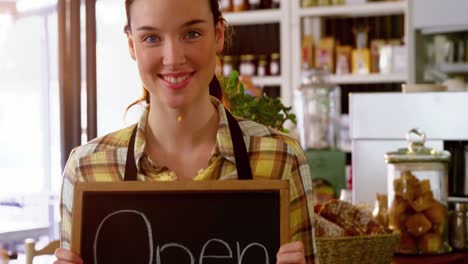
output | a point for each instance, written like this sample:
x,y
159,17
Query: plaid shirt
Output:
x,y
272,155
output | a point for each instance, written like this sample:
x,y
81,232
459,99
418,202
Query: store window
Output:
x,y
29,122
118,82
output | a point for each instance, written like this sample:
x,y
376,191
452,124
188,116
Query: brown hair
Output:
x,y
215,86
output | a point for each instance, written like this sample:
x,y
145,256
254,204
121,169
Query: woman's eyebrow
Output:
x,y
193,22
186,24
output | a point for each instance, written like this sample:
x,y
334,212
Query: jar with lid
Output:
x,y
318,110
275,65
247,65
262,65
228,65
418,194
226,5
240,5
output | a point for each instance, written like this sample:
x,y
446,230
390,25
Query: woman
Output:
x,y
185,132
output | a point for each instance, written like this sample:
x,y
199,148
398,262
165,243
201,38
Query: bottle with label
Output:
x,y
226,6
240,5
254,4
275,68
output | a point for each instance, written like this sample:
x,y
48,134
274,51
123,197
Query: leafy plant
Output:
x,y
263,109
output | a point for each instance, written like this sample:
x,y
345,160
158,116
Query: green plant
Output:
x,y
263,109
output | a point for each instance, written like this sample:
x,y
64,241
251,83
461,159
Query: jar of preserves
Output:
x,y
262,66
240,5
418,194
275,65
318,110
247,65
226,5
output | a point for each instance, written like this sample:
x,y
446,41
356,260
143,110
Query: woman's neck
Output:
x,y
181,129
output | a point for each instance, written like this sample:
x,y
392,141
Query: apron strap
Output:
x,y
130,164
244,172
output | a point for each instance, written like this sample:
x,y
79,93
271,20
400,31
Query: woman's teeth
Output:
x,y
176,79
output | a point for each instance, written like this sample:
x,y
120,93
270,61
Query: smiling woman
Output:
x,y
184,132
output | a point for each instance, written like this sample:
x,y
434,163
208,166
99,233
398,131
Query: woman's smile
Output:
x,y
177,80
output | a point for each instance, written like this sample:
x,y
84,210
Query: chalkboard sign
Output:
x,y
238,222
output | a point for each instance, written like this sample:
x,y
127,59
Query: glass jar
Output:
x,y
275,66
318,110
418,194
226,6
240,5
228,65
262,66
266,4
247,65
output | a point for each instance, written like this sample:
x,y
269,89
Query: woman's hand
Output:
x,y
65,256
291,253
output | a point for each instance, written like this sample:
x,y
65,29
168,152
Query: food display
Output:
x,y
416,213
418,194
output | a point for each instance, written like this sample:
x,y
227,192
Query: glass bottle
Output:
x,y
318,111
418,194
275,4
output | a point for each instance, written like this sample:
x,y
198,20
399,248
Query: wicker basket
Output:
x,y
375,249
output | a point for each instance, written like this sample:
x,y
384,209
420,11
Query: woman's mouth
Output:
x,y
176,80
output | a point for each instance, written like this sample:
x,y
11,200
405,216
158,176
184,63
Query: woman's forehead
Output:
x,y
169,12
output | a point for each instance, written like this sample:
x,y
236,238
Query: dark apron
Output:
x,y
240,153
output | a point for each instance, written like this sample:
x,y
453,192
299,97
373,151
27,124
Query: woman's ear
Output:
x,y
131,45
219,31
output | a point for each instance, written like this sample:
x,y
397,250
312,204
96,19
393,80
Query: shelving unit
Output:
x,y
369,78
267,81
318,14
361,10
282,16
454,68
253,17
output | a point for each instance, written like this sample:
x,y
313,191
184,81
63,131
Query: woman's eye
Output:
x,y
151,39
192,35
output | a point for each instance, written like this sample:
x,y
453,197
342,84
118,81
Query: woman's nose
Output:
x,y
173,53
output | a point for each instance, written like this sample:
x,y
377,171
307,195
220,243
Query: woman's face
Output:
x,y
174,43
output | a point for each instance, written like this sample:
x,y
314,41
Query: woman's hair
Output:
x,y
215,86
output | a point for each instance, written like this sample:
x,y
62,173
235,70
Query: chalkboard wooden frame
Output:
x,y
245,186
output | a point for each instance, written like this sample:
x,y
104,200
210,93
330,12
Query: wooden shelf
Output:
x,y
368,78
368,9
253,17
267,81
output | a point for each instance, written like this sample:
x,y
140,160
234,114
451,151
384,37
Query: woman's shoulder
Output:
x,y
253,129
109,142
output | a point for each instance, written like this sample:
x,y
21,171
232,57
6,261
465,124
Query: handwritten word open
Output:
x,y
159,249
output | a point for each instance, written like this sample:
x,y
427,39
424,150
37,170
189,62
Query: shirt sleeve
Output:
x,y
66,200
301,202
